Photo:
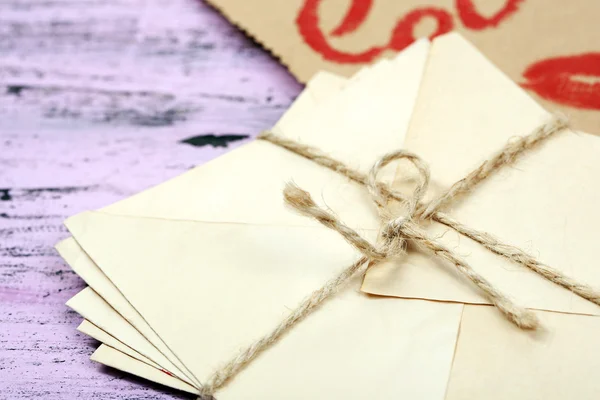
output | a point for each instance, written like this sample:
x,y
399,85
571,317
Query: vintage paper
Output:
x,y
549,47
545,204
175,269
497,361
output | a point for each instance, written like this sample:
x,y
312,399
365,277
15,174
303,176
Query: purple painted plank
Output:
x,y
98,100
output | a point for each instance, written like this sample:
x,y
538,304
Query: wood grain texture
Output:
x,y
100,99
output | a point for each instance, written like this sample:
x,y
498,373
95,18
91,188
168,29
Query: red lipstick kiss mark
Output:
x,y
471,18
570,80
402,35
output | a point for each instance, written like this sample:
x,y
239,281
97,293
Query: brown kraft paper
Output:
x,y
550,47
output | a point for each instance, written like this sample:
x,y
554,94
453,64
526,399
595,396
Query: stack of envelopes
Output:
x,y
186,274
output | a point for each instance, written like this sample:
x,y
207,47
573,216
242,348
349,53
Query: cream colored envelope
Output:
x,y
210,288
496,361
546,203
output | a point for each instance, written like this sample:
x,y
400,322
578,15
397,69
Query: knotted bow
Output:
x,y
397,230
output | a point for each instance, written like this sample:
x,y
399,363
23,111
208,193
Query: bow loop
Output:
x,y
392,235
381,193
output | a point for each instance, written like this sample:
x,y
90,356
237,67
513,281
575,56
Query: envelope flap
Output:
x,y
210,289
246,186
467,109
358,132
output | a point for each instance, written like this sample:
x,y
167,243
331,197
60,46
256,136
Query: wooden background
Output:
x,y
100,99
